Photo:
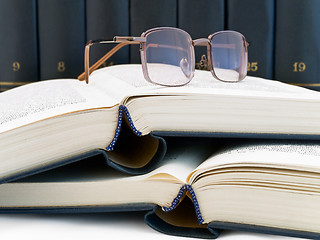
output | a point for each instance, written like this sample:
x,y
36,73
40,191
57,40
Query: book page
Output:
x,y
254,105
129,79
294,155
184,155
114,85
37,101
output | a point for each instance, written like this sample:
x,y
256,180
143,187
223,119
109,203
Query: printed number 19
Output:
x,y
299,67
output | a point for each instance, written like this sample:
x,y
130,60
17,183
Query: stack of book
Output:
x,y
199,158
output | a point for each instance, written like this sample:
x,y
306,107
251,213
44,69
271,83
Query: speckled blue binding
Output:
x,y
195,203
122,109
178,198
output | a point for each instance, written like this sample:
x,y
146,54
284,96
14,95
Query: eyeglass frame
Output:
x,y
128,40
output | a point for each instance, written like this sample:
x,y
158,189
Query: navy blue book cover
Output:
x,y
18,43
145,14
200,18
255,20
61,38
297,46
106,19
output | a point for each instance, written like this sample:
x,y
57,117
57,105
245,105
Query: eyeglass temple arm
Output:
x,y
123,41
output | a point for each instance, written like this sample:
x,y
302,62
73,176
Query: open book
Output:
x,y
44,123
201,184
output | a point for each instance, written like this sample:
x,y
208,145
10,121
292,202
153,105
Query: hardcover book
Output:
x,y
200,18
18,43
256,21
297,42
145,14
61,30
49,123
103,19
201,187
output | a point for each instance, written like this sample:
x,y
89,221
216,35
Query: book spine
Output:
x,y
256,21
106,19
146,14
200,18
178,198
18,43
297,46
122,109
61,38
158,223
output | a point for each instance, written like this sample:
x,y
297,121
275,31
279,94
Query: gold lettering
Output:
x,y
16,66
299,67
61,66
252,66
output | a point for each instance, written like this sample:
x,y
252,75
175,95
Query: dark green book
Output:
x,y
200,18
61,38
18,43
297,58
106,19
255,20
146,14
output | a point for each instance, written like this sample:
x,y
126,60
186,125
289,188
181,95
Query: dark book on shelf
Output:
x,y
297,45
255,20
61,33
145,14
106,19
200,18
18,43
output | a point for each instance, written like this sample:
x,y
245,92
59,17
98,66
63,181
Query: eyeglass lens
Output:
x,y
227,54
169,57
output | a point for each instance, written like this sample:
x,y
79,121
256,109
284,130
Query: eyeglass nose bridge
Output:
x,y
205,61
201,42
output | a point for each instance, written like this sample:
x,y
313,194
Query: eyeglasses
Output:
x,y
168,59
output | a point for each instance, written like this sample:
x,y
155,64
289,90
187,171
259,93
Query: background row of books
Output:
x,y
44,39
